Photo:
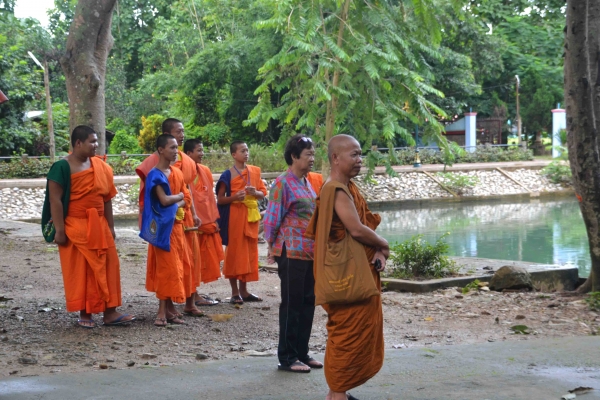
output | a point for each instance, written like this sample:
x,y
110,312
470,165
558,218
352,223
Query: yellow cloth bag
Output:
x,y
252,204
180,214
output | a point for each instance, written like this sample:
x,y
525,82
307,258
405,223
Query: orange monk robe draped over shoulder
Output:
x,y
354,352
89,260
211,246
241,256
316,181
164,269
192,264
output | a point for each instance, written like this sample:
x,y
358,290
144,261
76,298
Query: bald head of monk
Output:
x,y
344,154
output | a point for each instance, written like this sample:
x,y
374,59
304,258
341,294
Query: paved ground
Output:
x,y
528,369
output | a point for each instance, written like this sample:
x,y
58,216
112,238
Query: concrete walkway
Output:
x,y
528,369
509,165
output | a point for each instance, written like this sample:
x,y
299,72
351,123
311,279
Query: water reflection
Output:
x,y
550,232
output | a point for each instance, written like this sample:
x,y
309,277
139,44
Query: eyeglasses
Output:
x,y
305,139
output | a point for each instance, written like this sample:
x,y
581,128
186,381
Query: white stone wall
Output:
x,y
16,203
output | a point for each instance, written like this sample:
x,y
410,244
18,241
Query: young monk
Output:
x,y
83,185
191,258
167,196
238,190
211,247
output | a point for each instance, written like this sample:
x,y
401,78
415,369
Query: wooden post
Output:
x,y
49,112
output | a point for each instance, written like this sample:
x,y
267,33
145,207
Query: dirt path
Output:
x,y
37,336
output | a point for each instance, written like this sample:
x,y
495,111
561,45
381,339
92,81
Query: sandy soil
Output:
x,y
37,335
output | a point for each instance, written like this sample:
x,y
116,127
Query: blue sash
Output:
x,y
223,220
157,220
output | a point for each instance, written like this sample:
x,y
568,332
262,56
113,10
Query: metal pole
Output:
x,y
49,112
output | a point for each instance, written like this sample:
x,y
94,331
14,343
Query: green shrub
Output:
x,y
458,182
417,258
17,169
557,172
124,141
210,134
593,301
481,154
151,129
123,166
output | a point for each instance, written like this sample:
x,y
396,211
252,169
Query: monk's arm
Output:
x,y
197,221
346,211
56,210
223,200
167,200
108,214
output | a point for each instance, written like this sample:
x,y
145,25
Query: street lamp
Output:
x,y
48,104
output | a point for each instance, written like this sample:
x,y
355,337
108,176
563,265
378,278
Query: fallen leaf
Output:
x,y
520,329
581,390
221,317
428,319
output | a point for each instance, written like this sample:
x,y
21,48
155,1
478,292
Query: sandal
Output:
x,y
311,362
160,322
86,323
194,313
350,397
206,301
236,300
176,321
290,368
252,297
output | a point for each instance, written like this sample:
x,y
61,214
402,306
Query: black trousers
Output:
x,y
297,308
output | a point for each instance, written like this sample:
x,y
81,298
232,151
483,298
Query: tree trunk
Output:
x,y
332,104
84,65
582,98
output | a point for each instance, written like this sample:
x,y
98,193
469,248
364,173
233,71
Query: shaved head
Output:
x,y
339,143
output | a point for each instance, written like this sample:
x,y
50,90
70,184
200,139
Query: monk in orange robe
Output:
x,y
354,352
192,257
165,274
316,181
211,247
85,235
238,191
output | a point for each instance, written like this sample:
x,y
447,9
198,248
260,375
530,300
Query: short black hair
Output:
x,y
190,145
168,125
81,133
295,145
234,145
161,140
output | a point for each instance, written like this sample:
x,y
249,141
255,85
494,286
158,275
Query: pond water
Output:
x,y
540,231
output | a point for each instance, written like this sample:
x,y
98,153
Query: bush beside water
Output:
x,y
417,258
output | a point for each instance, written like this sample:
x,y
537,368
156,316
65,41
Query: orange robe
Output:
x,y
211,246
241,255
316,181
89,260
165,273
355,347
192,264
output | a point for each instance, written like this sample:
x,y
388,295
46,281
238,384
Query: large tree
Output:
x,y
582,97
84,64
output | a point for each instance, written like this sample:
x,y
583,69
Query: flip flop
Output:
x,y
252,297
81,323
350,397
236,300
120,321
195,313
176,321
206,302
311,362
162,324
288,368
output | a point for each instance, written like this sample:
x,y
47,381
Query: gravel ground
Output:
x,y
38,336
